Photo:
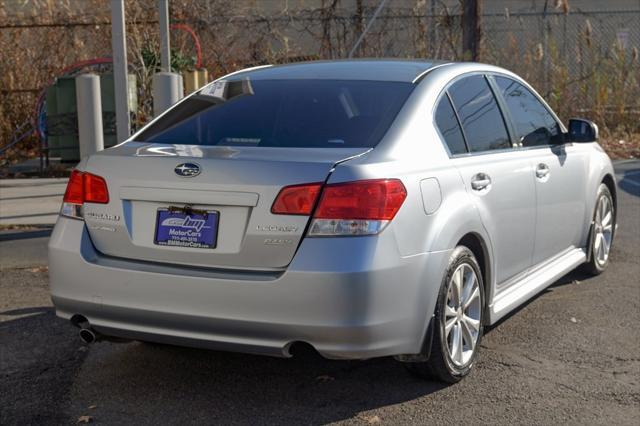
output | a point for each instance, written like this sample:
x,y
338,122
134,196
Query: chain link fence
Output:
x,y
585,63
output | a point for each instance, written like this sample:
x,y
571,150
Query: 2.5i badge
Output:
x,y
180,227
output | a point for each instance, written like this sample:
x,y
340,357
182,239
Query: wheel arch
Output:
x,y
474,242
608,180
462,225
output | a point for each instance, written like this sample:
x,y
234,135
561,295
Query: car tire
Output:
x,y
602,232
448,361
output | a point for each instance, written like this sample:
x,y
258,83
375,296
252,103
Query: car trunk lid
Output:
x,y
237,184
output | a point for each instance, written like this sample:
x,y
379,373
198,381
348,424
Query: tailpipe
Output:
x,y
87,335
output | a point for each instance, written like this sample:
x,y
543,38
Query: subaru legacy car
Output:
x,y
364,208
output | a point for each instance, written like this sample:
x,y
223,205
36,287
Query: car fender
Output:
x,y
598,168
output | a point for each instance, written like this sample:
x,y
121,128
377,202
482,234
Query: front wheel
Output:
x,y
458,321
602,230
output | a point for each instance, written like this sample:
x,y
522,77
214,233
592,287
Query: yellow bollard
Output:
x,y
193,80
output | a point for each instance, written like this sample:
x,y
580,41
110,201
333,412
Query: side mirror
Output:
x,y
582,131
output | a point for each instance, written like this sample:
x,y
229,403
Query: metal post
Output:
x,y
119,47
89,105
366,29
471,29
167,90
545,51
433,43
165,47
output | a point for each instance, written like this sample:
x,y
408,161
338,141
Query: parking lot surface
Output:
x,y
571,355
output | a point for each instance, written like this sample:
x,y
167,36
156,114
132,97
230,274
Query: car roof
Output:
x,y
351,69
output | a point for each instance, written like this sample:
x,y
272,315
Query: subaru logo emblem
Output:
x,y
187,169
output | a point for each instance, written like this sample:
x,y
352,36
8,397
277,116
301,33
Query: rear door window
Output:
x,y
535,126
480,117
449,127
284,113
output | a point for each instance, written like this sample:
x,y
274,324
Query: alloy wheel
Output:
x,y
462,314
603,230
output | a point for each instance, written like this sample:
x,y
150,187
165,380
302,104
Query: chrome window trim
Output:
x,y
488,152
558,145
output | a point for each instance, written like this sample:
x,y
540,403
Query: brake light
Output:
x,y
83,188
95,189
354,208
75,189
357,208
378,199
296,199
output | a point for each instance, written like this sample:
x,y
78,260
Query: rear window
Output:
x,y
283,113
449,127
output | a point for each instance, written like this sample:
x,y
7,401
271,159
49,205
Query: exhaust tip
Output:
x,y
79,321
301,350
87,335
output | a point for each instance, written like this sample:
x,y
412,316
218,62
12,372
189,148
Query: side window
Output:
x,y
449,128
481,119
534,124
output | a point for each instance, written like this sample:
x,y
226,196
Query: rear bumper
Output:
x,y
348,297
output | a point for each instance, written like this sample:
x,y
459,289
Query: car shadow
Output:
x,y
630,182
40,356
46,358
41,232
247,389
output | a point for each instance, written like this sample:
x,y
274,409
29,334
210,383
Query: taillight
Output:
x,y
362,207
75,189
83,188
296,199
367,199
95,189
357,208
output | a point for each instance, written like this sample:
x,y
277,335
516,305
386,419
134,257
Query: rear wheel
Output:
x,y
458,321
604,222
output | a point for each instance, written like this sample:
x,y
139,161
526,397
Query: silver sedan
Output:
x,y
366,208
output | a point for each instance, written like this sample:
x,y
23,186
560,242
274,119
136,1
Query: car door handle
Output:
x,y
542,171
480,182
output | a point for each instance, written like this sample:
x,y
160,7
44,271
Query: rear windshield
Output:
x,y
283,113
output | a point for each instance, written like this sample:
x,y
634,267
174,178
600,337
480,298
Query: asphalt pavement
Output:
x,y
571,355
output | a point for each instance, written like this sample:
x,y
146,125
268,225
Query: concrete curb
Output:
x,y
30,201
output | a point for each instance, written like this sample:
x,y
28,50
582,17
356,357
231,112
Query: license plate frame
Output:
x,y
187,228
